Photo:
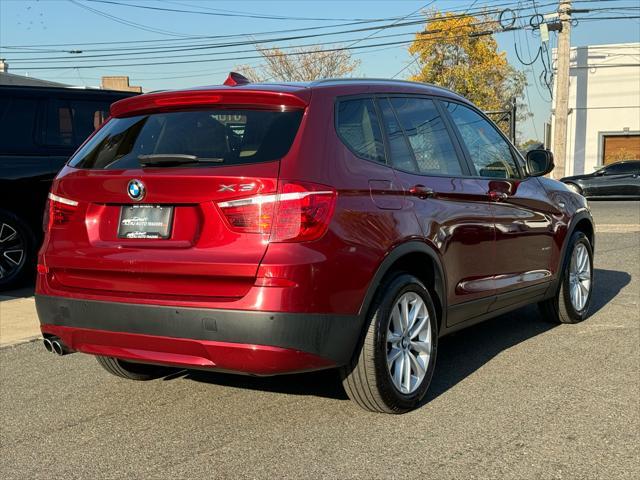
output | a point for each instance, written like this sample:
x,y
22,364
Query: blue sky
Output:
x,y
46,22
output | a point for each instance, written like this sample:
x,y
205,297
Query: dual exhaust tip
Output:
x,y
55,345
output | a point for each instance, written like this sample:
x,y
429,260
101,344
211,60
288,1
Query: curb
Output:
x,y
21,341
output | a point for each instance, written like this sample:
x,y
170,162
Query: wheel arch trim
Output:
x,y
583,214
400,251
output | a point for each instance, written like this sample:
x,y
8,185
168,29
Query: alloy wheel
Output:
x,y
12,251
579,277
409,342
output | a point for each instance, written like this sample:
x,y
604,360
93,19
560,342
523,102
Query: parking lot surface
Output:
x,y
515,397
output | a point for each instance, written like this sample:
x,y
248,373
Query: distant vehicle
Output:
x,y
278,228
40,128
620,179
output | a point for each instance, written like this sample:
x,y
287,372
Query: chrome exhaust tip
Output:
x,y
58,347
47,344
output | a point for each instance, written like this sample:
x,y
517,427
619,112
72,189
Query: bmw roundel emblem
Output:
x,y
136,190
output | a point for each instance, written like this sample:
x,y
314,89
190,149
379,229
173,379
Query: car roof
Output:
x,y
343,86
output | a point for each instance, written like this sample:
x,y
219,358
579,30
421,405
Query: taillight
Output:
x,y
58,212
299,212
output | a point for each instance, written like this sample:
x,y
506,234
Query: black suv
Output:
x,y
40,127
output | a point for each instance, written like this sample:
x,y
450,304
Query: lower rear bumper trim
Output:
x,y
91,325
188,353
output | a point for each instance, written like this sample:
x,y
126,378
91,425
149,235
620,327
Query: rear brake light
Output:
x,y
299,212
59,211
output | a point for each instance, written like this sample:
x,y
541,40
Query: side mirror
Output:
x,y
539,162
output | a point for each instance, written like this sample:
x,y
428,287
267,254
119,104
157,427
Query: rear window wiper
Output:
x,y
167,159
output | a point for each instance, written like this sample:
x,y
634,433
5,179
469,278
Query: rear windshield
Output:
x,y
220,137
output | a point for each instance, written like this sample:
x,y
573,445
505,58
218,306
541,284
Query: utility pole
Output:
x,y
562,89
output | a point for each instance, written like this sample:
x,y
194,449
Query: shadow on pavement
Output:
x,y
23,292
325,383
459,354
607,285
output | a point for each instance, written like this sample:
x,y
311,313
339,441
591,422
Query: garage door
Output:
x,y
621,147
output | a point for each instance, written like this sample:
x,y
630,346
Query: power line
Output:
x,y
227,13
335,49
126,22
495,8
82,59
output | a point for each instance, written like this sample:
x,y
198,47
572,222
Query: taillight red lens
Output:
x,y
303,212
299,212
59,211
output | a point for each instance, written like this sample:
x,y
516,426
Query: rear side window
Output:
x,y
70,122
17,124
359,129
621,168
217,137
490,153
428,137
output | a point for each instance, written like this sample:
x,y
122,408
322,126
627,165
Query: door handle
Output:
x,y
496,196
421,191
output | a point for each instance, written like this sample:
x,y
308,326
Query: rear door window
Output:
x,y
18,118
212,137
399,151
358,128
70,122
428,136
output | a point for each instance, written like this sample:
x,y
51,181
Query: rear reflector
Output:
x,y
299,212
59,211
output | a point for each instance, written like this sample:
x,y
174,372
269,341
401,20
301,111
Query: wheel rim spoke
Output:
x,y
421,347
393,356
395,319
404,313
397,371
413,314
406,373
393,338
7,233
12,250
417,367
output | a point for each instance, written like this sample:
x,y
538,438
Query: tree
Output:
x,y
530,144
301,64
459,53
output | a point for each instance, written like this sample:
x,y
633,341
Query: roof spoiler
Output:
x,y
224,97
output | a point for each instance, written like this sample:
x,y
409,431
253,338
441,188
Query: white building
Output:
x,y
604,106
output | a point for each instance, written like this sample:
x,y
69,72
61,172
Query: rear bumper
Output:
x,y
253,342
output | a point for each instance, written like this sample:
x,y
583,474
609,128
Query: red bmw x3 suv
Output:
x,y
277,228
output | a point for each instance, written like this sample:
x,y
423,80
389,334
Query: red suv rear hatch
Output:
x,y
161,202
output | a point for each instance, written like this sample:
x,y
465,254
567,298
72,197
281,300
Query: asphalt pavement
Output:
x,y
515,397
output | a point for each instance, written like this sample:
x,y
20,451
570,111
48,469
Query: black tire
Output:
x,y
133,371
367,379
17,251
559,308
